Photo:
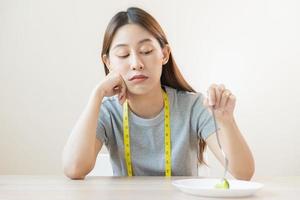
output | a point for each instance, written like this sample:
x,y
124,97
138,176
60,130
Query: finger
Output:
x,y
124,94
120,96
218,93
221,87
231,101
220,90
122,100
119,93
116,89
123,91
212,95
224,99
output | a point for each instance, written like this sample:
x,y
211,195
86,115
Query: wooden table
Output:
x,y
123,188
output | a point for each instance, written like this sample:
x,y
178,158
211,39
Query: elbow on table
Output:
x,y
74,172
246,174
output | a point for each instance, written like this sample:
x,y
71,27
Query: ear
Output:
x,y
106,61
166,54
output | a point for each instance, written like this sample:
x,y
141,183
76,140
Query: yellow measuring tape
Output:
x,y
167,137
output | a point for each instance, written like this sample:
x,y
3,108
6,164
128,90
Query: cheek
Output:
x,y
155,59
154,64
119,66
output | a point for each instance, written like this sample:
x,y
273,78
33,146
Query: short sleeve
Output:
x,y
103,122
202,119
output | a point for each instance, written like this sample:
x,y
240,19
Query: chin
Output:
x,y
138,89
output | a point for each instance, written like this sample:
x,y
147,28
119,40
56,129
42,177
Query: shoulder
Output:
x,y
185,97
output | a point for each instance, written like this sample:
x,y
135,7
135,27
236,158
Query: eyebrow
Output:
x,y
140,42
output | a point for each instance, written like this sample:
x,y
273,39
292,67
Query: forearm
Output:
x,y
241,162
79,151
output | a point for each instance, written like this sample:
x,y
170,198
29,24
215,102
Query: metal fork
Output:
x,y
218,139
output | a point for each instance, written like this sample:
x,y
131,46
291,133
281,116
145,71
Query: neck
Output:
x,y
147,105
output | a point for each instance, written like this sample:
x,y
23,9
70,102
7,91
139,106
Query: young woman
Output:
x,y
150,119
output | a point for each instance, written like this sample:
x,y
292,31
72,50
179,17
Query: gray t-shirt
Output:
x,y
189,121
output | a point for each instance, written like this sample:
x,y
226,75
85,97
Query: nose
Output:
x,y
136,63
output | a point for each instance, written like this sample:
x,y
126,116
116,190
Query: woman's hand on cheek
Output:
x,y
222,101
113,84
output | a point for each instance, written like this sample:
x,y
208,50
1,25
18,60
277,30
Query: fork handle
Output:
x,y
219,143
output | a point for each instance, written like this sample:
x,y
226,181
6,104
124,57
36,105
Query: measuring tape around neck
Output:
x,y
167,136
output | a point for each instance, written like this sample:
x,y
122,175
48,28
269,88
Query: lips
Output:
x,y
138,77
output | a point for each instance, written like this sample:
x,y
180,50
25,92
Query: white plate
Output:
x,y
205,187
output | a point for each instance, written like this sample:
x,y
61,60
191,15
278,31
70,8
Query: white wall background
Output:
x,y
49,63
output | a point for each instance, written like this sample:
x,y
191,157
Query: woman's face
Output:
x,y
138,57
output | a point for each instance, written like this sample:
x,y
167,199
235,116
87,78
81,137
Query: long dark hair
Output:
x,y
171,75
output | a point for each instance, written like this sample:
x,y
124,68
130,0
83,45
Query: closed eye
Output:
x,y
124,56
146,52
